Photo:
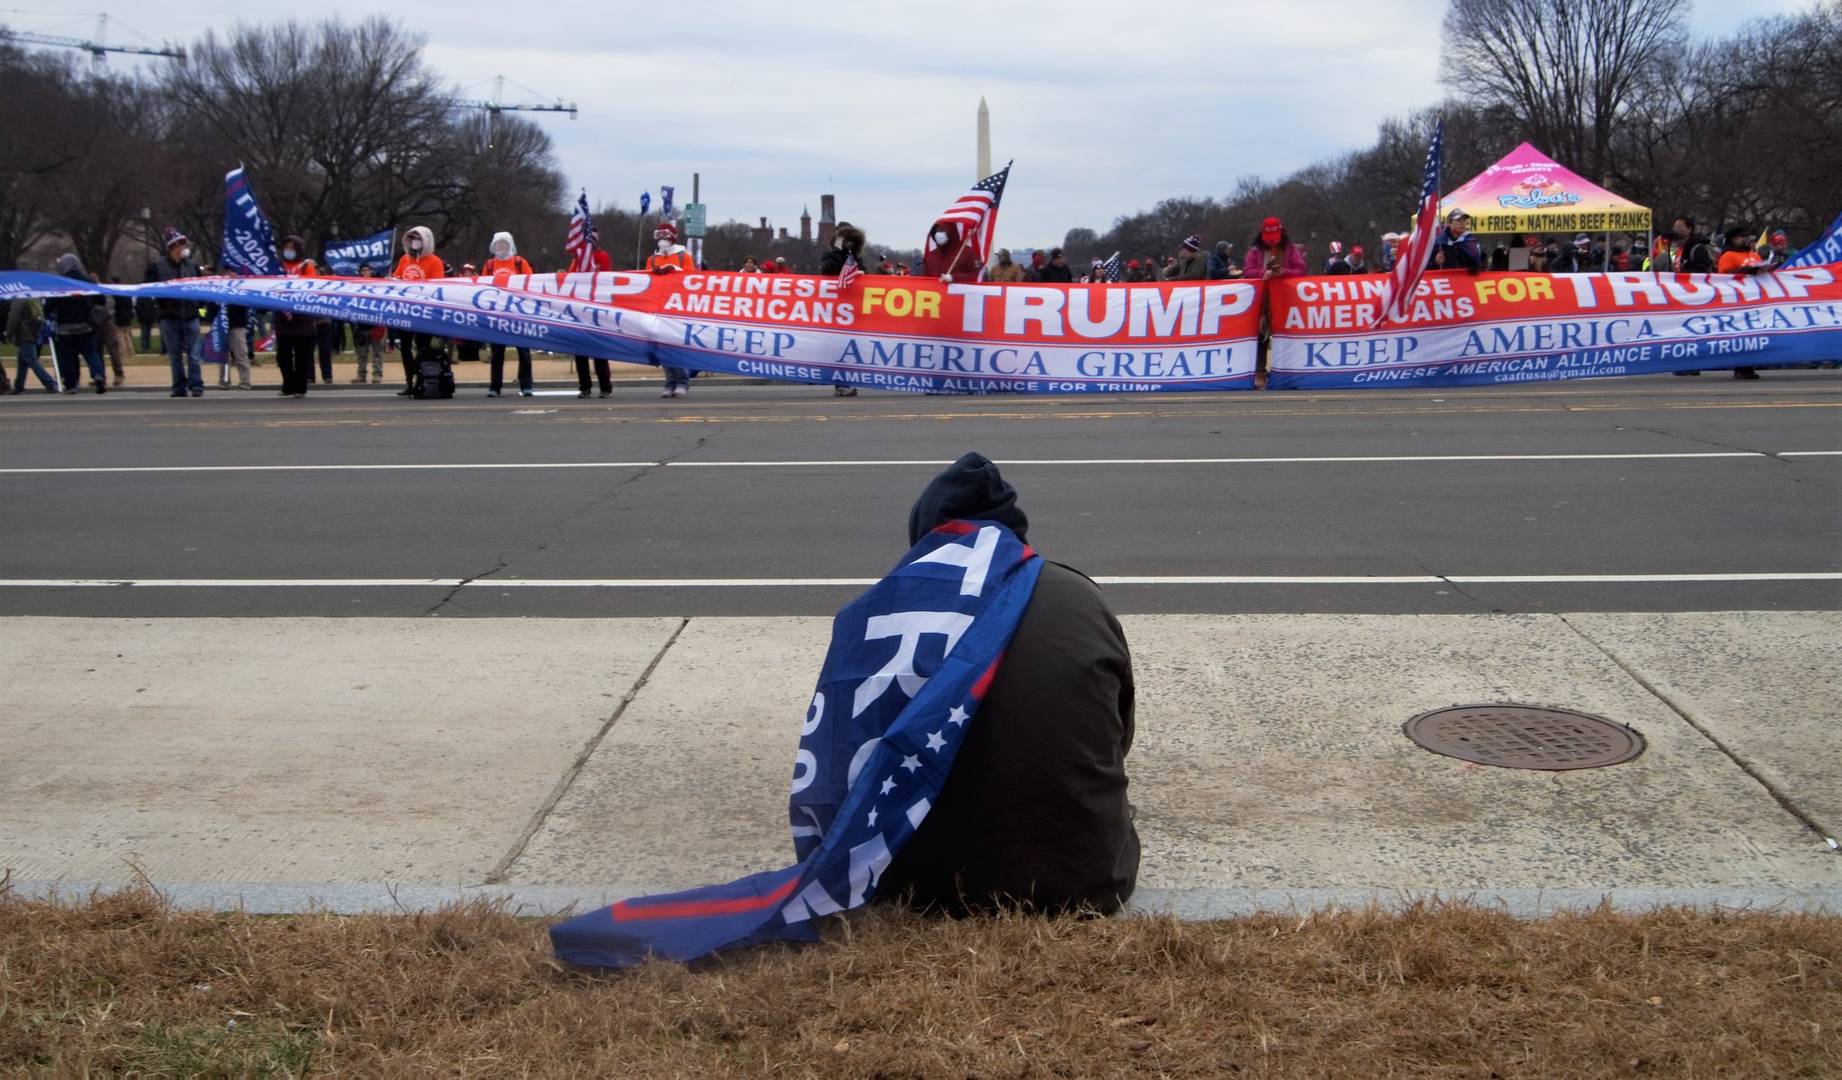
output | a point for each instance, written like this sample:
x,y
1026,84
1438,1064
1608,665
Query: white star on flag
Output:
x,y
872,815
911,763
888,785
935,742
958,716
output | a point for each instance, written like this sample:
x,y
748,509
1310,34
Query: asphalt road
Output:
x,y
650,507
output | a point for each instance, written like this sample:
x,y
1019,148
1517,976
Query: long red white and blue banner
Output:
x,y
919,335
1482,329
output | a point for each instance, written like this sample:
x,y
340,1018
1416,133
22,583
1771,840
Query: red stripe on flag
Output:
x,y
623,911
954,528
984,683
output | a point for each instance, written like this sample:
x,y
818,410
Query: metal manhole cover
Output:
x,y
1524,737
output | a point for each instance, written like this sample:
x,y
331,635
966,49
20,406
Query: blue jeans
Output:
x,y
28,361
179,337
677,378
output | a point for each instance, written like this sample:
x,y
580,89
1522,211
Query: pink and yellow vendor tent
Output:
x,y
1529,192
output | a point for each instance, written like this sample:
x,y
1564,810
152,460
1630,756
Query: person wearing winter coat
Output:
x,y
297,337
1190,264
79,320
1272,254
1358,262
506,262
1006,272
602,263
671,257
1335,263
24,320
178,317
1035,810
1221,262
1058,268
847,242
1456,246
418,263
948,255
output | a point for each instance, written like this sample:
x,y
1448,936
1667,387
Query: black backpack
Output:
x,y
434,375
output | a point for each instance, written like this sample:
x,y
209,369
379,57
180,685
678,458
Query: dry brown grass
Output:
x,y
123,984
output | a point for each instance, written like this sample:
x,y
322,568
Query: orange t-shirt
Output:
x,y
1732,262
300,268
679,261
513,265
419,268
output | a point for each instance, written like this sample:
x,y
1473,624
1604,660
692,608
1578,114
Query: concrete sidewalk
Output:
x,y
371,762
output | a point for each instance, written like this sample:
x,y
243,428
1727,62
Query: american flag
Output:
x,y
581,242
976,214
1109,270
1411,263
850,273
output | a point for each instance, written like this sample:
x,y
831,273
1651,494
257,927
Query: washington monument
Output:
x,y
984,168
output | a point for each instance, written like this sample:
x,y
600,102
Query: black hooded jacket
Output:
x,y
1035,808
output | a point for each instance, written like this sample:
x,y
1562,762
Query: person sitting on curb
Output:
x,y
1034,811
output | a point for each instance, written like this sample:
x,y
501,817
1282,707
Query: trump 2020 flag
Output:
x,y
249,239
909,663
249,248
1827,249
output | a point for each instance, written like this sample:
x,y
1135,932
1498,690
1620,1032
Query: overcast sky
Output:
x,y
1106,107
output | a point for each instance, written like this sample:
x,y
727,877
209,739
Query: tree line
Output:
x,y
342,129
1742,130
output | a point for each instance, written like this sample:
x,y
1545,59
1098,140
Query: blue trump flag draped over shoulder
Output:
x,y
909,663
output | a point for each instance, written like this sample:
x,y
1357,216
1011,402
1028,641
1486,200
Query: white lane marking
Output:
x,y
338,468
1382,459
805,583
919,462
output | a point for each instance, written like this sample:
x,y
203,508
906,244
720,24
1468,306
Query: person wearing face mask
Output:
x,y
670,257
418,263
1058,268
178,317
949,256
296,336
504,263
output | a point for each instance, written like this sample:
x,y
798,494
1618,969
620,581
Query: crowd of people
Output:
x,y
81,329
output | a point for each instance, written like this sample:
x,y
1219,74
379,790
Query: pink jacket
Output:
x,y
1254,266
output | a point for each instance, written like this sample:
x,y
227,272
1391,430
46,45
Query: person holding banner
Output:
x,y
1273,254
296,336
672,258
603,263
504,263
368,340
419,263
79,323
236,334
178,317
25,318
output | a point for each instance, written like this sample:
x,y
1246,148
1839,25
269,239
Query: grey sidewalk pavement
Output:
x,y
378,762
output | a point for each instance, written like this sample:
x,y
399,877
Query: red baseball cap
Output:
x,y
1270,229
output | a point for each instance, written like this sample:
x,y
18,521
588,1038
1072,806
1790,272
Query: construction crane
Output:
x,y
497,104
94,46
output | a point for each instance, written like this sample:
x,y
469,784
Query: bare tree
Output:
x,y
1569,70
